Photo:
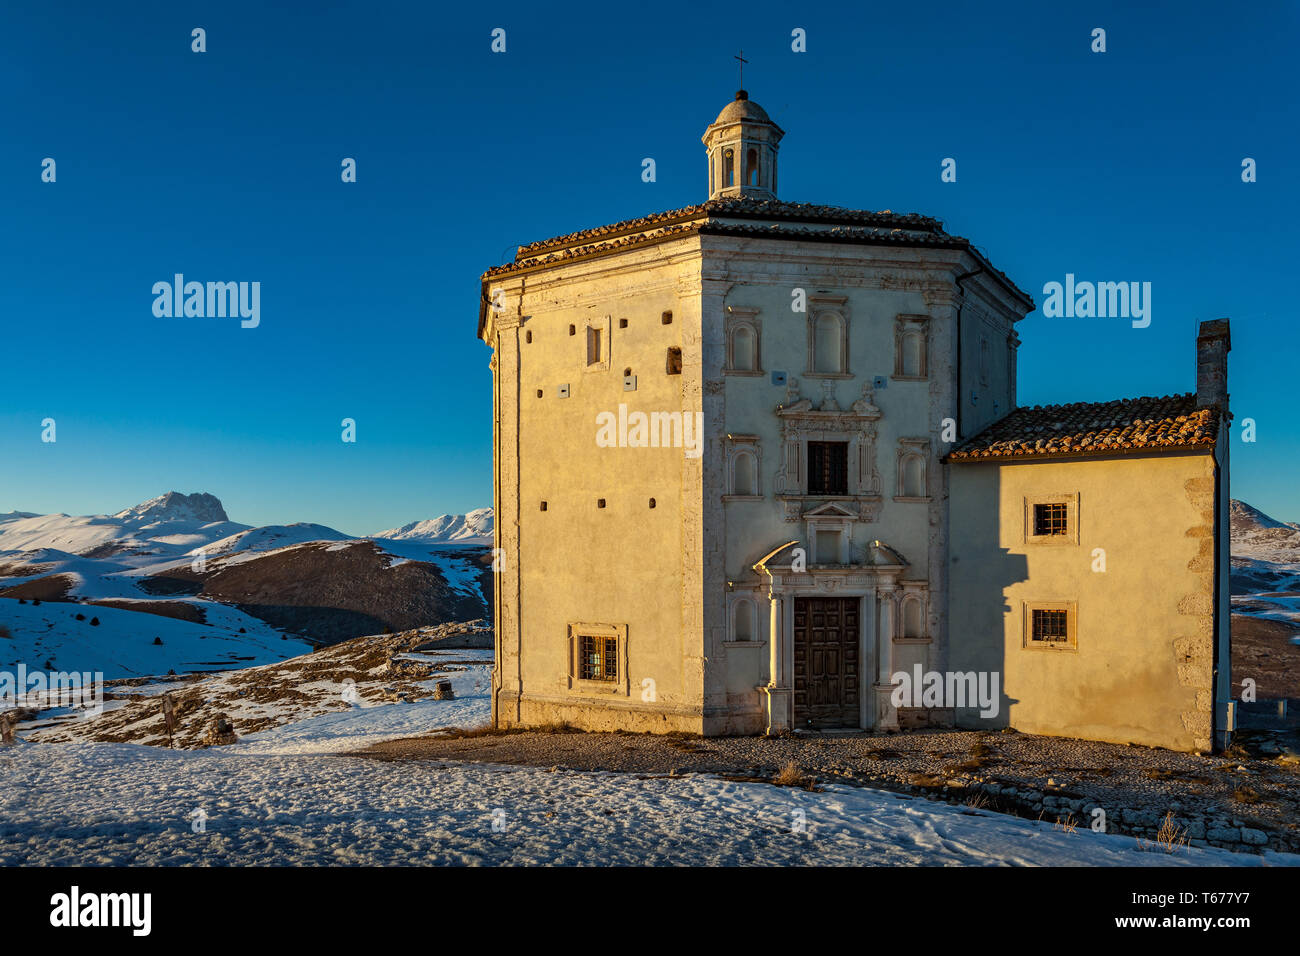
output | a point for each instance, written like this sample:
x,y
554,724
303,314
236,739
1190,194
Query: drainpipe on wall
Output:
x,y
961,399
516,504
1217,744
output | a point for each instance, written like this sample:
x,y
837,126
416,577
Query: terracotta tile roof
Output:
x,y
748,217
1171,423
740,208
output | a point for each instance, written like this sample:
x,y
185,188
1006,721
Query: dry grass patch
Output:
x,y
1237,752
1245,794
1067,825
792,776
1171,836
927,780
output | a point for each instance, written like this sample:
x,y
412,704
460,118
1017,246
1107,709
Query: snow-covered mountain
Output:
x,y
175,567
174,525
1265,577
1256,535
473,528
170,524
173,506
272,536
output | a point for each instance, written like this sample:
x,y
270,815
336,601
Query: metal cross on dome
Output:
x,y
743,61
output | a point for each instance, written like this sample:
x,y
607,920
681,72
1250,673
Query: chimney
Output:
x,y
1212,347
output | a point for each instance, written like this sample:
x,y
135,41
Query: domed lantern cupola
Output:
x,y
742,145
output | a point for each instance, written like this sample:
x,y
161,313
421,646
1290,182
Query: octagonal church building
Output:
x,y
759,467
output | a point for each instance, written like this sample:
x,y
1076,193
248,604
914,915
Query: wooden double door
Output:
x,y
827,664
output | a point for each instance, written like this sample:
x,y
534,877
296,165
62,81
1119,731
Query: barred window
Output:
x,y
597,658
1050,519
1050,626
828,468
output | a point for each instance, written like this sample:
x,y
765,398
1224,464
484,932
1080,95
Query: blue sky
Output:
x,y
225,166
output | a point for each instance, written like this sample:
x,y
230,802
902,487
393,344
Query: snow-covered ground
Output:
x,y
122,644
337,698
120,804
286,797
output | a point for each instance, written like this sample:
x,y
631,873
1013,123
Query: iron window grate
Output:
x,y
1051,519
828,468
1051,627
598,658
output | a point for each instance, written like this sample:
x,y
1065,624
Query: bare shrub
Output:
x,y
792,776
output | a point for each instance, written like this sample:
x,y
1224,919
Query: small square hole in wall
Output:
x,y
652,502
573,330
528,337
539,393
667,318
622,323
543,505
674,364
600,502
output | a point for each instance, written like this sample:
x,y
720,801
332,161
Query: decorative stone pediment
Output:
x,y
879,564
831,509
828,413
882,556
855,426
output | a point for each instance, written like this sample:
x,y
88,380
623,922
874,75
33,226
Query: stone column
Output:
x,y
777,690
776,677
886,713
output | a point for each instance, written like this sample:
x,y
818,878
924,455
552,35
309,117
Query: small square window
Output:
x,y
622,323
1050,626
1051,519
667,318
600,502
597,658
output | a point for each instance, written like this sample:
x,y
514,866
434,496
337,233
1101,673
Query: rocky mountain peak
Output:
x,y
175,506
